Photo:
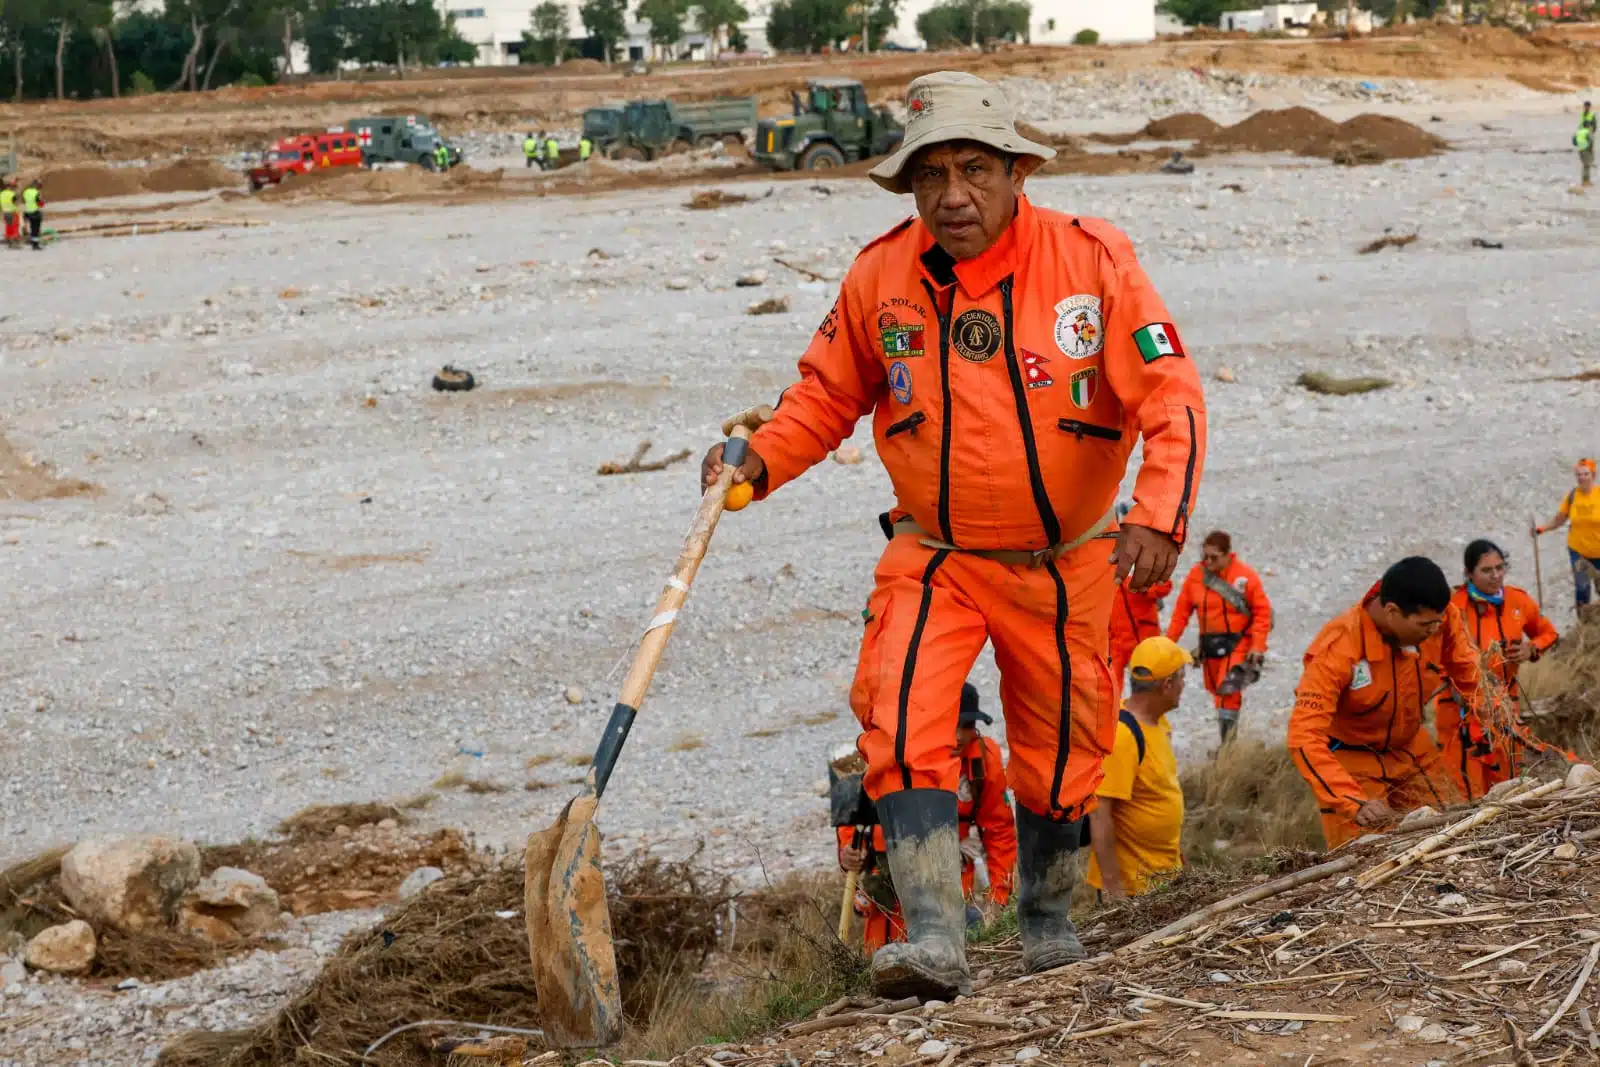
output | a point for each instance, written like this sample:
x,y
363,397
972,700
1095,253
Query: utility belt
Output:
x,y
1010,557
1336,745
1219,645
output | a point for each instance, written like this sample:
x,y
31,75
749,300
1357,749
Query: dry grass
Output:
x,y
319,820
687,743
578,760
540,760
711,199
1392,240
821,718
1564,692
1249,800
769,731
1328,385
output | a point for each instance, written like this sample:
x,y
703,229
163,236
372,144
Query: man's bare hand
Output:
x,y
852,858
750,470
1145,553
1257,660
1376,812
1519,651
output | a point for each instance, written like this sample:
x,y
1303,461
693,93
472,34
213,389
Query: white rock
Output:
x,y
848,455
418,880
1511,967
1416,815
1220,977
1567,850
677,284
1506,788
1432,1034
933,1048
1452,902
241,899
12,972
1410,1024
1224,374
1032,1052
133,883
1582,774
65,949
574,695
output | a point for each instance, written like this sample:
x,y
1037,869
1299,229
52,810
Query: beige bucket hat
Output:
x,y
952,106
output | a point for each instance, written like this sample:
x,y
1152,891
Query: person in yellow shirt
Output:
x,y
1136,828
1580,508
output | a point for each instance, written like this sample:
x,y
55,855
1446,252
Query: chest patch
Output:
x,y
1084,384
1080,328
1033,370
900,340
1361,676
976,335
900,381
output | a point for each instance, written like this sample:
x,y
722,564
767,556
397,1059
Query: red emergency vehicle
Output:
x,y
304,154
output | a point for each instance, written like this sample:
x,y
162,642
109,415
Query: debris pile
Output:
x,y
1564,688
1365,138
24,476
97,182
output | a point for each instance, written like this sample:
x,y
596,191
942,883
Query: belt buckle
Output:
x,y
1037,558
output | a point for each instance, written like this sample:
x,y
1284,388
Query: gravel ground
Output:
x,y
311,579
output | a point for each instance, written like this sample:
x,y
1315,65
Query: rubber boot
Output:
x,y
1227,723
1046,868
924,851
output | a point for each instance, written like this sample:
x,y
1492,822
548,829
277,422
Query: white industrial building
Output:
x,y
1271,18
496,26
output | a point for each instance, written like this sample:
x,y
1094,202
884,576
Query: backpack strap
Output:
x,y
1125,717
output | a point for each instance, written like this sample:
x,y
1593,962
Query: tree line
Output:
x,y
89,48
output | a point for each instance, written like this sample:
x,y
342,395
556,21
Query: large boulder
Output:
x,y
241,899
65,949
132,883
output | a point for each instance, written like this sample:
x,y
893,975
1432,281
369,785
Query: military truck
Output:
x,y
648,129
400,139
832,125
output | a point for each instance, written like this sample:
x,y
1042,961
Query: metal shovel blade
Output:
x,y
569,931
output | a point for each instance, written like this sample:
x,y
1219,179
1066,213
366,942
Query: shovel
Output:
x,y
569,926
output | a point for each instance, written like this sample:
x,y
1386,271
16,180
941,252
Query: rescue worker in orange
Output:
x,y
1356,732
1504,622
1134,617
1009,356
1235,619
986,828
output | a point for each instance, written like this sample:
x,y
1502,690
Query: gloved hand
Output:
x,y
972,848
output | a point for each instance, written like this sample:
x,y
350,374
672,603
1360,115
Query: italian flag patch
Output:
x,y
1156,340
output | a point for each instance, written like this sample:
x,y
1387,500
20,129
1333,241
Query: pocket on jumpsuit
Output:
x,y
869,667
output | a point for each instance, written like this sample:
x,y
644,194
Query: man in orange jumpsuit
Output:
x,y
1356,731
1505,623
1235,619
985,822
1009,356
1134,617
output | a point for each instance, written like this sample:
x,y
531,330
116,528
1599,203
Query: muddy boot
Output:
x,y
1046,866
919,827
1227,723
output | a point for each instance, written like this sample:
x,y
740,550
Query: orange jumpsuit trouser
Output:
x,y
1405,776
929,616
1476,774
1216,670
1121,653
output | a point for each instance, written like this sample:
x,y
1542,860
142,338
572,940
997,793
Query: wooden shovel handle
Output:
x,y
847,905
752,419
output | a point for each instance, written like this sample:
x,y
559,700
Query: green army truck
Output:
x,y
832,125
400,139
649,129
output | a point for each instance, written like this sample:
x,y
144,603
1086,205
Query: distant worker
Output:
x,y
1582,509
1356,732
1136,830
1134,617
1235,619
441,157
552,154
33,211
530,150
1583,140
981,806
1504,623
8,209
585,148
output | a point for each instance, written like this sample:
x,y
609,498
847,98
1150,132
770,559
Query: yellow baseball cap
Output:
x,y
1158,658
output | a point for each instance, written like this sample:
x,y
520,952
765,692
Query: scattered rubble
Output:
x,y
1328,385
132,883
1391,240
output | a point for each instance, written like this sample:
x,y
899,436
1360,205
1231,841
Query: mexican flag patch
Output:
x,y
1156,340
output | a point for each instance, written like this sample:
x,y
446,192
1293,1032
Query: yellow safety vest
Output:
x,y
8,200
530,148
585,147
30,201
551,149
1584,138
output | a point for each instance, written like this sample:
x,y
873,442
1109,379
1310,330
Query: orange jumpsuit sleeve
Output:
x,y
997,826
1260,615
1157,384
1541,632
1181,611
1461,663
841,378
1329,665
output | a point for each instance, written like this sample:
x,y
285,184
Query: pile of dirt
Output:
x,y
1185,126
1061,142
1286,130
356,185
191,176
24,477
460,951
92,183
1367,138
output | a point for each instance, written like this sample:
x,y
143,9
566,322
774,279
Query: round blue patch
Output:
x,y
900,381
